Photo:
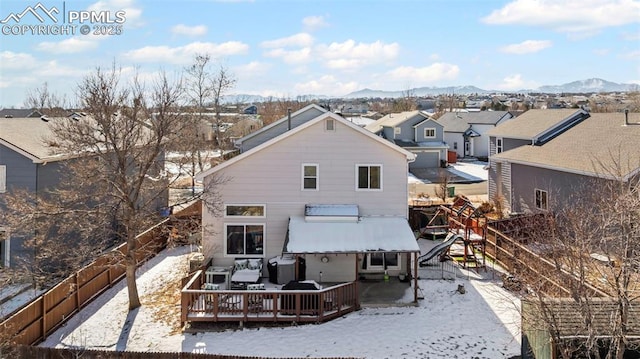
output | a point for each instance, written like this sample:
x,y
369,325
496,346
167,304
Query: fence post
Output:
x,y
77,289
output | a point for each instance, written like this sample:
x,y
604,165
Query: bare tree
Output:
x,y
45,101
127,130
221,82
593,244
442,188
274,109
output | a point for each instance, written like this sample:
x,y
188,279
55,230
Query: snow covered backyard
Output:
x,y
482,323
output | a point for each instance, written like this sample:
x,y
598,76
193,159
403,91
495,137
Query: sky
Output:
x,y
483,323
321,47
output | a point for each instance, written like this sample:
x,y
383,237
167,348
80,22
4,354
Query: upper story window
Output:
x,y
330,124
397,130
498,145
429,133
369,177
542,199
310,176
244,210
3,179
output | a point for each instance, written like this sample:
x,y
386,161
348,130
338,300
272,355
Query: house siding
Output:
x,y
560,186
280,128
500,179
429,124
272,177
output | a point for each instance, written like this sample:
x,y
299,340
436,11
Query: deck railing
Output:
x,y
268,305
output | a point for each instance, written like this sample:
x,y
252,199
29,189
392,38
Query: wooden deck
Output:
x,y
266,305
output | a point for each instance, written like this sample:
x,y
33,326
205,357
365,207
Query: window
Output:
x,y
542,199
3,179
455,145
429,133
309,176
244,239
369,177
235,210
397,130
498,144
330,125
383,261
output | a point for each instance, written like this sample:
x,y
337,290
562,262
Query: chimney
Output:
x,y
288,119
626,117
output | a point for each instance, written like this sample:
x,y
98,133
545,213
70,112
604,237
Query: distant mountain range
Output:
x,y
593,85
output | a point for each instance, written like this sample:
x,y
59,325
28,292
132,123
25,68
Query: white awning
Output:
x,y
369,234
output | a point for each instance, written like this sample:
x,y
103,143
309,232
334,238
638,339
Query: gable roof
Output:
x,y
27,136
393,119
284,119
531,123
600,139
410,156
460,121
19,113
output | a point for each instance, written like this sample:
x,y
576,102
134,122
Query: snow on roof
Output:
x,y
331,210
369,234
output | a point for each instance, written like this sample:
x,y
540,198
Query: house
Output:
x,y
19,113
465,132
29,162
25,162
542,158
561,323
324,191
416,132
292,120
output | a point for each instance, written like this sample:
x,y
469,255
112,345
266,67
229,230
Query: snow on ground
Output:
x,y
479,324
14,297
473,171
413,179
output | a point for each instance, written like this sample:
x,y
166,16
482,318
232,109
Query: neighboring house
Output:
x,y
19,113
25,162
28,162
465,132
416,132
279,127
327,192
556,160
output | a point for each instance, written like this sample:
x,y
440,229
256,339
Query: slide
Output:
x,y
439,249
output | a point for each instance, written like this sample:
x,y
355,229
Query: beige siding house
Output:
x,y
326,192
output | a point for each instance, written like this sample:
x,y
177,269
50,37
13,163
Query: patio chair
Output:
x,y
255,300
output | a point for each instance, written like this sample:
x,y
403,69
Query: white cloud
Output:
x,y
312,23
350,55
291,56
601,52
514,83
432,73
526,47
17,61
632,55
572,16
69,46
252,69
182,29
133,14
326,85
184,54
298,40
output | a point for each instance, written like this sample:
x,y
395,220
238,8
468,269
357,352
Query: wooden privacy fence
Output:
x,y
52,353
36,320
298,306
513,255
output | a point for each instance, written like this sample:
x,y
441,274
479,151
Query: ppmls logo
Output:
x,y
40,20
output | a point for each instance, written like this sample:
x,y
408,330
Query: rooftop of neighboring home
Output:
x,y
531,123
594,146
28,136
393,119
460,121
19,113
